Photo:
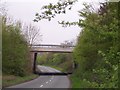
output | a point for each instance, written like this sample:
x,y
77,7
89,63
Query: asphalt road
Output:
x,y
47,81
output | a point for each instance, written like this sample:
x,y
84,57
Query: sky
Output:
x,y
51,31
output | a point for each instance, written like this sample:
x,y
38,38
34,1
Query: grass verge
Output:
x,y
58,68
75,83
9,80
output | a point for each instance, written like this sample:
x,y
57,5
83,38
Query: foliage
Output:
x,y
10,80
63,61
15,50
97,51
51,10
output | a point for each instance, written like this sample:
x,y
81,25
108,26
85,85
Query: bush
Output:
x,y
63,61
15,50
97,50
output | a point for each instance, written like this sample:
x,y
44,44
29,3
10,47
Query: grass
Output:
x,y
9,80
58,68
75,83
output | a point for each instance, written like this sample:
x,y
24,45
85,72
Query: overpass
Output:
x,y
52,48
34,49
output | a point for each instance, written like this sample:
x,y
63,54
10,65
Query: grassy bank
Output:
x,y
9,80
59,61
58,68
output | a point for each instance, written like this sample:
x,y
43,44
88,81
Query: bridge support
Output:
x,y
34,63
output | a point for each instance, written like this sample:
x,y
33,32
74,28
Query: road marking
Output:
x,y
41,85
41,70
50,80
46,82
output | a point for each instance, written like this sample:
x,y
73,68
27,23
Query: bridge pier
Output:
x,y
34,63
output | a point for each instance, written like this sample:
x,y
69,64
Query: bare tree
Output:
x,y
3,10
32,34
67,43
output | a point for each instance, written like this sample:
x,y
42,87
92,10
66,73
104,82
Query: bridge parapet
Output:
x,y
48,45
52,48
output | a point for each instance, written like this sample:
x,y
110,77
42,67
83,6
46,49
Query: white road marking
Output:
x,y
46,82
42,70
41,85
50,80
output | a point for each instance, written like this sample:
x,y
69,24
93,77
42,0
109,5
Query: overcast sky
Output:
x,y
52,32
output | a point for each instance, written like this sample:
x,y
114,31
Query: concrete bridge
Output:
x,y
52,48
48,48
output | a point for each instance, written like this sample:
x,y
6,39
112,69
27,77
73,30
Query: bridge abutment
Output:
x,y
33,60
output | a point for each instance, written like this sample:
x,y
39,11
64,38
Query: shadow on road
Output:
x,y
52,73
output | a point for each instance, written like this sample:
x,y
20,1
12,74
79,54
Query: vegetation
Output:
x,y
15,50
51,10
31,33
0,54
16,61
97,52
60,61
9,80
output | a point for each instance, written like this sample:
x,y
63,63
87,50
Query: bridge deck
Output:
x,y
52,48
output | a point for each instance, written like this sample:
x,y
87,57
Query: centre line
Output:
x,y
41,85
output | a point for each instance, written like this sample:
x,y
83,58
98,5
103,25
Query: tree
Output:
x,y
51,10
15,51
31,33
97,50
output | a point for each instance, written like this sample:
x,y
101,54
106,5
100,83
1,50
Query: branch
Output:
x,y
51,10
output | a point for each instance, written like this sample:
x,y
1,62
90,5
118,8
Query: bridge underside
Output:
x,y
57,50
51,51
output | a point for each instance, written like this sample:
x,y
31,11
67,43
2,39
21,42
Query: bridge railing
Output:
x,y
51,46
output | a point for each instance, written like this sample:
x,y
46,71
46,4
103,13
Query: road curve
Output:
x,y
46,81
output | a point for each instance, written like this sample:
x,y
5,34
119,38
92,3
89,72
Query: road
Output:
x,y
47,81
